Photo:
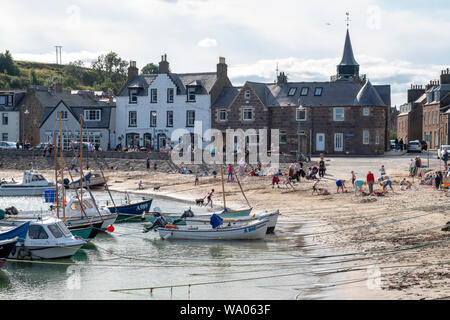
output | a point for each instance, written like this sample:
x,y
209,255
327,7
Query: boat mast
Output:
x,y
62,167
223,187
81,159
56,174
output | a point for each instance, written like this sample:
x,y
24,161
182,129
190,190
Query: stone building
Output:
x,y
409,120
10,104
347,115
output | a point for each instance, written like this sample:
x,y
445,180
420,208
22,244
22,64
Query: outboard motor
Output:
x,y
159,222
66,182
186,214
12,211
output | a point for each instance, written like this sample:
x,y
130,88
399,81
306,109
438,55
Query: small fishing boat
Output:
x,y
131,210
90,180
253,230
271,216
9,239
33,184
6,246
46,238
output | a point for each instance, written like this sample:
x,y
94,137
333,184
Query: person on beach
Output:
x,y
370,178
322,168
197,175
275,180
140,186
405,185
382,171
324,191
437,180
386,183
148,163
214,174
412,166
340,186
353,178
230,173
445,156
155,166
209,198
358,186
314,188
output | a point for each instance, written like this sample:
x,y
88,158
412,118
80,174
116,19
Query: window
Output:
x,y
152,118
55,230
37,232
64,115
338,114
247,94
153,95
222,115
318,91
92,115
5,119
169,118
10,100
132,119
133,96
5,136
190,118
292,91
300,114
247,114
191,94
304,91
2,100
366,137
366,111
283,137
377,138
170,95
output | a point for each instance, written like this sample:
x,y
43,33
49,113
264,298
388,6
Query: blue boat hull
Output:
x,y
131,212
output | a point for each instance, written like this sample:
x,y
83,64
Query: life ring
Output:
x,y
171,226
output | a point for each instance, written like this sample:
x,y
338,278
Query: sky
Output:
x,y
395,42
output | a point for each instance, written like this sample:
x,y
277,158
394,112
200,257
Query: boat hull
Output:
x,y
224,215
6,246
252,231
44,252
18,190
132,211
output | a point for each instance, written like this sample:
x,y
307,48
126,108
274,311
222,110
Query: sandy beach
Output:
x,y
397,236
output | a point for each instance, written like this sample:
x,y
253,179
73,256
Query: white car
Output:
x,y
441,150
7,145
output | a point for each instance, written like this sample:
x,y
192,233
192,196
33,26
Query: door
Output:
x,y
320,142
338,142
162,141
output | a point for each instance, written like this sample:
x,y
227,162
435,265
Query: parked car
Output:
x,y
39,146
424,145
392,144
441,150
7,145
414,146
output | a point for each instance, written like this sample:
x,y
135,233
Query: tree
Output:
x,y
110,65
70,82
74,69
7,64
150,68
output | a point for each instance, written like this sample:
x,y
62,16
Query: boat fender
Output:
x,y
167,236
171,226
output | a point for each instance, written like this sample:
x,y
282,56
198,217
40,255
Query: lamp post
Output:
x,y
23,127
299,109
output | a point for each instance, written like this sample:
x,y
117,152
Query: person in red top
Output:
x,y
370,181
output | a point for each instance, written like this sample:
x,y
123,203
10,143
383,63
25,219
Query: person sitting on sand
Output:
x,y
324,191
405,185
340,185
314,187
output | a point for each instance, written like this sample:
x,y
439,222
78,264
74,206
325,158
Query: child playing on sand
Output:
x,y
140,186
314,187
275,180
340,185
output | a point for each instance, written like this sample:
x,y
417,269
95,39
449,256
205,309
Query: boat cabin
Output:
x,y
35,179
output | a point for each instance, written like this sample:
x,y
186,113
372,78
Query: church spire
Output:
x,y
348,68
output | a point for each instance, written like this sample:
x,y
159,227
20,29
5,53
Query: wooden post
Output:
x,y
81,159
62,168
55,151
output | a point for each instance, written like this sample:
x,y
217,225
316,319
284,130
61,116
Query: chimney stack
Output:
x,y
222,68
281,78
164,65
415,92
445,76
133,71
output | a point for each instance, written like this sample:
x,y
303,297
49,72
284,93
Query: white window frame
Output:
x,y
153,95
247,94
292,91
153,119
221,112
130,118
167,121
297,115
170,95
366,112
366,137
190,120
191,94
335,114
244,112
133,96
98,114
377,137
304,94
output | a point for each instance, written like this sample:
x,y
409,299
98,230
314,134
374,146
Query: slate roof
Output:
x,y
368,96
348,58
204,82
226,96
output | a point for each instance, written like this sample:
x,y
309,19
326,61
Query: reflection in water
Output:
x,y
4,281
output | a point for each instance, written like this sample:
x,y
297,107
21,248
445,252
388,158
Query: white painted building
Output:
x,y
150,107
10,103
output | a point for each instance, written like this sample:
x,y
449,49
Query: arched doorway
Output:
x,y
132,140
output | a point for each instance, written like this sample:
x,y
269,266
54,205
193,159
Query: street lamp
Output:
x,y
300,109
23,128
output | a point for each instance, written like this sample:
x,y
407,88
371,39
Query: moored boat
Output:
x,y
132,210
33,184
6,246
90,180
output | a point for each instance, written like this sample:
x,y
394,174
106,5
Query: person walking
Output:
x,y
209,197
230,173
401,144
370,181
396,144
322,168
148,163
437,180
412,166
382,171
197,175
445,156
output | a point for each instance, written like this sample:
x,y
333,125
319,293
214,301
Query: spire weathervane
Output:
x,y
348,18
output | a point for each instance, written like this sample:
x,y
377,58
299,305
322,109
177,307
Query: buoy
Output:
x,y
110,228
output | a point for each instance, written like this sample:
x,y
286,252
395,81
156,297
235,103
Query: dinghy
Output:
x,y
33,184
131,210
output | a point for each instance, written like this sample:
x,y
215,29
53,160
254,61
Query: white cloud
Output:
x,y
207,43
50,57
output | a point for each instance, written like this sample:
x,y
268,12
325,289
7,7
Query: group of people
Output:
x,y
399,145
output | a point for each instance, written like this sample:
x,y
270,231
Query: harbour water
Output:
x,y
277,267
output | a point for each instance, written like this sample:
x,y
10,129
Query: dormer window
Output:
x,y
133,95
154,95
292,91
2,100
247,94
318,91
92,115
304,91
191,94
